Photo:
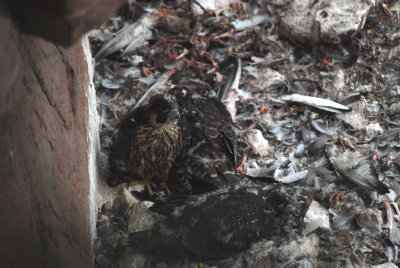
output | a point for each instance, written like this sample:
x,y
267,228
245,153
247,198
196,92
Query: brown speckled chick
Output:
x,y
208,157
147,143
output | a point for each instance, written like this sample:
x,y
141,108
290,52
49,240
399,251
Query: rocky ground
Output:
x,y
346,54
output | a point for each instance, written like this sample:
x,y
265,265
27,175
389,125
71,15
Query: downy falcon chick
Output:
x,y
147,143
209,145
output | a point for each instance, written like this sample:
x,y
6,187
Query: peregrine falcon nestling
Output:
x,y
196,153
211,226
147,143
208,157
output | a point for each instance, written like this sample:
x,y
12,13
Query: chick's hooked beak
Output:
x,y
174,114
212,94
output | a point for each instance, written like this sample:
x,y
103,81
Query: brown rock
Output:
x,y
174,24
44,192
61,21
45,187
9,56
394,109
369,218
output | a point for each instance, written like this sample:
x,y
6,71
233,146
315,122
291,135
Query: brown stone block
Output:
x,y
62,21
44,189
9,55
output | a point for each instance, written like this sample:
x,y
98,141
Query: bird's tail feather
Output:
x,y
233,80
144,240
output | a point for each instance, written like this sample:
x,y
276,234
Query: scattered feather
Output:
x,y
323,104
230,94
293,177
130,37
253,21
158,87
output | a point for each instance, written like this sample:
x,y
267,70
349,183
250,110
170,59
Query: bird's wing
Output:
x,y
121,147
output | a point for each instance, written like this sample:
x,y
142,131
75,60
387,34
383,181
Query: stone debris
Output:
x,y
315,103
316,217
333,22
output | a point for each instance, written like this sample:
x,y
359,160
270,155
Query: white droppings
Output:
x,y
93,139
257,141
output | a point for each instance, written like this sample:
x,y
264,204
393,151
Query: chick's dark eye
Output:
x,y
163,108
280,203
204,92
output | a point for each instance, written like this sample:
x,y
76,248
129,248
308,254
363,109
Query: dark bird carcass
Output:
x,y
147,143
211,226
208,157
354,166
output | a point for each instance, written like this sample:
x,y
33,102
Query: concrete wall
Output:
x,y
46,195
